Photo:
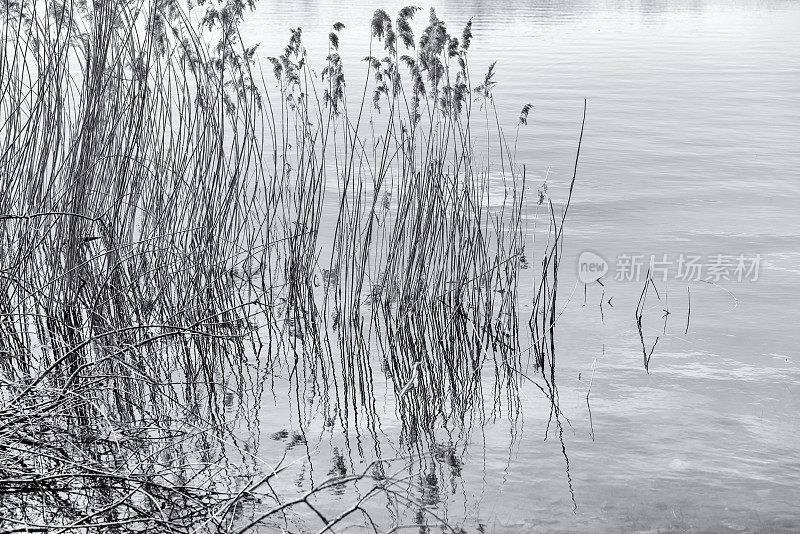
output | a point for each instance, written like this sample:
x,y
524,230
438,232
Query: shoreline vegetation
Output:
x,y
181,222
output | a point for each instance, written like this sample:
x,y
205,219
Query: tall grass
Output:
x,y
162,206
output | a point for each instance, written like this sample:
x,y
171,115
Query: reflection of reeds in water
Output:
x,y
160,222
421,268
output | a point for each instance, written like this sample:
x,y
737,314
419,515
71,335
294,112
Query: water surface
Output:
x,y
690,148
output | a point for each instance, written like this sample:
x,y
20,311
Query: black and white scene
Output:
x,y
464,266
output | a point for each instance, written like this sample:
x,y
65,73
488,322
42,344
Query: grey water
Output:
x,y
690,154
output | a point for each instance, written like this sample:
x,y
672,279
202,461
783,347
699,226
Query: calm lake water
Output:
x,y
690,150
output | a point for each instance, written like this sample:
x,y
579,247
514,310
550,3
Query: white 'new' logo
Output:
x,y
591,267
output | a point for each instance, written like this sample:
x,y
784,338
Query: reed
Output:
x,y
162,206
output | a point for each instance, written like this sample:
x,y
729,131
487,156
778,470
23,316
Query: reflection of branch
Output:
x,y
555,413
386,487
639,314
602,315
735,300
383,485
689,311
591,380
411,381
